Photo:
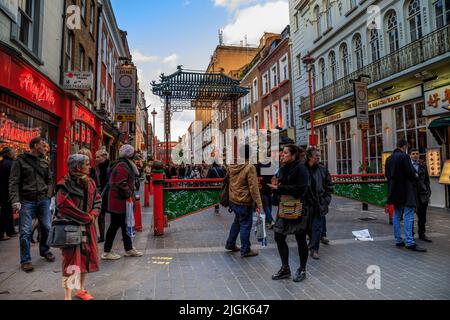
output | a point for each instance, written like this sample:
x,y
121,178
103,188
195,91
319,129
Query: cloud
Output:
x,y
171,61
140,57
255,20
232,4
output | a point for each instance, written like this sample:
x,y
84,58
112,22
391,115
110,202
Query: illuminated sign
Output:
x,y
85,116
11,131
434,162
39,91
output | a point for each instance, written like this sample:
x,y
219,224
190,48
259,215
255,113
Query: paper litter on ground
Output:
x,y
362,235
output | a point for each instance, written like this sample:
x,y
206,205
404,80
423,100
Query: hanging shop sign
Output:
x,y
37,89
78,81
126,78
445,176
10,8
403,96
361,105
434,162
84,116
437,101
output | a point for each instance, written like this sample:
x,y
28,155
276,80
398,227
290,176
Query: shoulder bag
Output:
x,y
290,208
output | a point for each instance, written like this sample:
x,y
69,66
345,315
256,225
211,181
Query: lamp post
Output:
x,y
309,61
154,113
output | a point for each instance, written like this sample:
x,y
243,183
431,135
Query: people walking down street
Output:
x,y
423,193
7,230
216,172
266,194
121,188
101,179
402,193
30,188
291,189
88,153
195,173
318,198
243,195
79,200
182,171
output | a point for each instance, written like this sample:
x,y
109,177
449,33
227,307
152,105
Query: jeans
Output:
x,y
408,225
117,221
242,224
267,206
316,232
41,210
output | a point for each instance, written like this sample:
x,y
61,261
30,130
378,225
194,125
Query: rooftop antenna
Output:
x,y
220,37
245,41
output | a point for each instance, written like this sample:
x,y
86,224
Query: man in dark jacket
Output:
x,y
6,212
30,187
216,172
423,192
402,194
318,198
101,179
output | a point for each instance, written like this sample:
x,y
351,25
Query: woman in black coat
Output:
x,y
293,181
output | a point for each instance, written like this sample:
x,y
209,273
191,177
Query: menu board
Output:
x,y
434,162
445,176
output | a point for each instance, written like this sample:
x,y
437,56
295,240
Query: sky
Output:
x,y
163,34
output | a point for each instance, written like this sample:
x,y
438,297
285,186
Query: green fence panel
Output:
x,y
178,203
372,193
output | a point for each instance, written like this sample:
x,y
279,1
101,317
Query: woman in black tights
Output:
x,y
293,181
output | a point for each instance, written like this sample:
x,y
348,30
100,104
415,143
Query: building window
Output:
x,y
284,68
323,133
333,66
266,83
91,70
411,125
357,45
255,90
392,30
110,62
27,30
442,12
69,51
375,143
343,148
276,116
274,76
414,20
82,59
267,119
322,72
296,20
351,4
256,118
287,121
318,19
327,7
344,59
374,45
104,48
313,78
92,18
299,63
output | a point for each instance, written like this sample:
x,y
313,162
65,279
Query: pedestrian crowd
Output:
x,y
82,200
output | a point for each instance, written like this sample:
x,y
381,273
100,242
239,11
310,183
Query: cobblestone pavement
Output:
x,y
189,262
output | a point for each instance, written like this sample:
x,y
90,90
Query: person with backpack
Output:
x,y
30,190
216,172
122,186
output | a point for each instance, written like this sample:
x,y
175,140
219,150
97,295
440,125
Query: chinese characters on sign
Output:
x,y
38,90
438,100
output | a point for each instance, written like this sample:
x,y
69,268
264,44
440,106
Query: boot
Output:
x,y
283,273
300,275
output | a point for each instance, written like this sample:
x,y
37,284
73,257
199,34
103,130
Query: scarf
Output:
x,y
80,179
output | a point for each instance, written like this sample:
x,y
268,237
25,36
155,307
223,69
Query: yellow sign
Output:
x,y
125,117
445,176
384,157
434,162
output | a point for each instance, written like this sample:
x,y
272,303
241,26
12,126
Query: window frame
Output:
x,y
284,68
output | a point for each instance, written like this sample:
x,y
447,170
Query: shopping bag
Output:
x,y
130,218
261,235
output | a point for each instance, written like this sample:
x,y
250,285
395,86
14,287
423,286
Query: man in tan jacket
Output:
x,y
244,194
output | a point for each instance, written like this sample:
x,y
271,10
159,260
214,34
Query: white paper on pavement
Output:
x,y
362,235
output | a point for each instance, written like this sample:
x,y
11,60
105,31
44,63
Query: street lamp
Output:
x,y
154,113
309,63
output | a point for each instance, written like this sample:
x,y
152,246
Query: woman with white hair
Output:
x,y
121,188
79,201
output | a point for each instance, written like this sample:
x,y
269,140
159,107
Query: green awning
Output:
x,y
438,128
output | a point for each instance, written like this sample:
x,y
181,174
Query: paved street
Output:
x,y
189,262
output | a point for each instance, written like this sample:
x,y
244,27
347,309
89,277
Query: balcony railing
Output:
x,y
428,47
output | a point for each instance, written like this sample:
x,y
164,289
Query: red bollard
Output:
x,y
146,196
158,202
137,215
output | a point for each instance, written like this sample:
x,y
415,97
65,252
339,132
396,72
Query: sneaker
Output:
x,y
283,273
235,249
299,276
5,238
27,267
49,257
325,240
251,253
110,256
84,295
133,253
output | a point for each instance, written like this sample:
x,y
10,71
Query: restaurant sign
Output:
x,y
402,96
437,101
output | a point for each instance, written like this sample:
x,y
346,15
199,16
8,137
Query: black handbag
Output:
x,y
64,233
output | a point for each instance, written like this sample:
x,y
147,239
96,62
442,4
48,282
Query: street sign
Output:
x,y
126,78
361,105
78,81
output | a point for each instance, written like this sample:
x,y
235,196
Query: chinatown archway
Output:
x,y
194,90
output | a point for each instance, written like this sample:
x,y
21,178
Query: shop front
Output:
x,y
85,131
